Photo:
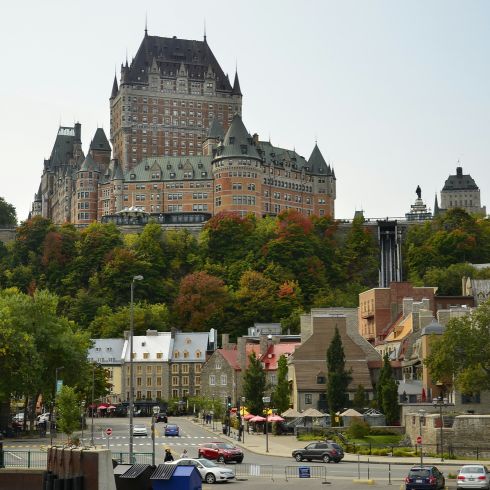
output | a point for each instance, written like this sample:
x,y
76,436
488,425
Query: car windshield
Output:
x,y
472,469
419,473
207,463
172,427
139,427
336,446
223,445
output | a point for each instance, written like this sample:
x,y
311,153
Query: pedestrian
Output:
x,y
184,454
168,456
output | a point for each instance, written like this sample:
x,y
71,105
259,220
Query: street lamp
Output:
x,y
155,410
53,417
441,402
83,417
421,419
92,406
131,388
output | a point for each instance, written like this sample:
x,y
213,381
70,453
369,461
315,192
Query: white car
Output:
x,y
210,471
44,417
139,430
473,476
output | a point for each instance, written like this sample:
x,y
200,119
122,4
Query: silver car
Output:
x,y
473,476
210,471
140,430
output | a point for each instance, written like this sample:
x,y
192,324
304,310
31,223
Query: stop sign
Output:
x,y
108,431
419,439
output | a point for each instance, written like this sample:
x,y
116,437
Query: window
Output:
x,y
175,369
197,380
197,368
185,380
176,354
217,365
159,382
212,380
146,355
175,381
308,398
175,393
185,368
149,395
320,379
224,380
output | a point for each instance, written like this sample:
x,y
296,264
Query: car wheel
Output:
x,y
210,478
326,458
298,458
221,459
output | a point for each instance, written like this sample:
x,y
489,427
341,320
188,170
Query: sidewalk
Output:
x,y
283,446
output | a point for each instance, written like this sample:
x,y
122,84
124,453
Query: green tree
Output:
x,y
462,352
254,384
68,411
8,214
387,392
280,396
360,398
338,377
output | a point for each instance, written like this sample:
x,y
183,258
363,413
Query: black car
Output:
x,y
424,478
322,451
161,417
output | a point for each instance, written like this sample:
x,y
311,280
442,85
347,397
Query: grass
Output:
x,y
378,440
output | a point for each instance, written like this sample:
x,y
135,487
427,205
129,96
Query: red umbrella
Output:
x,y
111,407
102,406
275,418
248,416
257,418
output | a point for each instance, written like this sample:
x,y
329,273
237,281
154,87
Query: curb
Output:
x,y
364,481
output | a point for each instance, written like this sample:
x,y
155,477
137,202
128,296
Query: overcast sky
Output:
x,y
394,92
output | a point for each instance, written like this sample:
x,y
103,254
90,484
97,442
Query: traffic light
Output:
x,y
228,403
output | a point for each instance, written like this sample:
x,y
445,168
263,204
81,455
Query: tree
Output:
x,y
360,398
280,396
462,352
68,411
254,384
338,377
8,214
201,301
387,392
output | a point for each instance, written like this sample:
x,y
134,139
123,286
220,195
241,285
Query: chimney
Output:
x,y
255,138
265,341
407,306
225,340
242,352
459,171
78,132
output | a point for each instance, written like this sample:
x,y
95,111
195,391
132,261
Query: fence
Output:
x,y
39,459
257,470
319,472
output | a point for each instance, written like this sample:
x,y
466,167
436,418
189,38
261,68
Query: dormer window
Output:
x,y
176,354
186,354
232,140
244,149
132,176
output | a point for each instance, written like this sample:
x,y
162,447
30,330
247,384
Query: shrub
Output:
x,y
358,429
380,431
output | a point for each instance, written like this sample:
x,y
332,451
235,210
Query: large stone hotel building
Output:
x,y
180,151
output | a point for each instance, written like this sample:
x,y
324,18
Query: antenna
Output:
x,y
204,29
146,23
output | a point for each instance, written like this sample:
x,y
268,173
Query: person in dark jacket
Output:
x,y
168,455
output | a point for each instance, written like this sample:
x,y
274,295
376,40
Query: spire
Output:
x,y
317,163
146,24
436,206
205,41
236,85
115,88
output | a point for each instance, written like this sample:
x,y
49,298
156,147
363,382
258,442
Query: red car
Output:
x,y
223,452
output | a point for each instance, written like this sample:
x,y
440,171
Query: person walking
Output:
x,y
168,456
184,454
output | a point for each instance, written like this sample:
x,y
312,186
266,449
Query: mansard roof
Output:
x,y
171,168
100,141
63,147
460,182
237,141
170,54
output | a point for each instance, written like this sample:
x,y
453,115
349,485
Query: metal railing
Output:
x,y
39,459
257,470
307,471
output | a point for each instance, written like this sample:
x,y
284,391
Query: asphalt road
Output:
x,y
191,435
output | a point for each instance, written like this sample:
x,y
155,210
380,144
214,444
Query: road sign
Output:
x,y
304,472
419,439
108,431
266,399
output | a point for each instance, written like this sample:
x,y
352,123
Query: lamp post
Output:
x,y
53,417
421,419
92,407
83,418
266,400
155,410
131,368
441,402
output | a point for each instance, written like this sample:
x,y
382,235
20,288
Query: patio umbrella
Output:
x,y
291,413
102,406
275,418
248,416
111,407
257,418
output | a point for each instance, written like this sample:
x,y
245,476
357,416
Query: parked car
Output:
x,y
172,430
321,451
161,417
139,430
424,478
473,476
210,472
44,417
223,452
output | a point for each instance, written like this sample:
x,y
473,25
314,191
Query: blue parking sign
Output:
x,y
304,471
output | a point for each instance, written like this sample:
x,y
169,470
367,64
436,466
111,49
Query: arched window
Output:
x,y
198,354
186,354
176,354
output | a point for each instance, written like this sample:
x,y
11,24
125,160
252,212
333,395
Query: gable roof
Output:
x,y
275,351
231,355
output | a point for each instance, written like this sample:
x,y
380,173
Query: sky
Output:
x,y
394,92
